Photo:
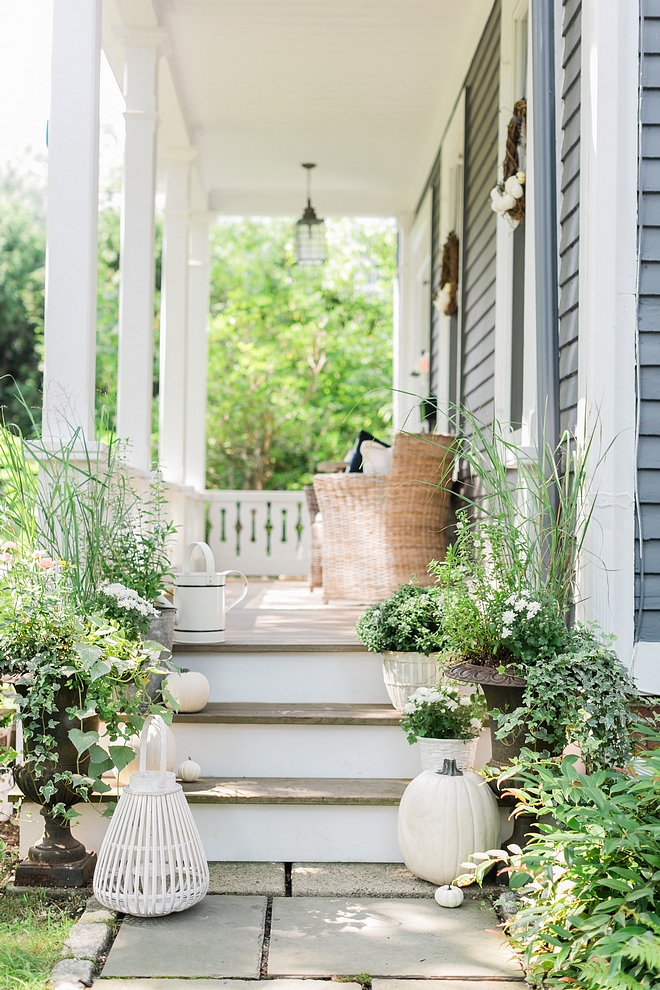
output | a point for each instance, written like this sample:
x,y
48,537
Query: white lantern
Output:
x,y
199,599
151,861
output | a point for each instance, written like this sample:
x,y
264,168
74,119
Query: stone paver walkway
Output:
x,y
231,938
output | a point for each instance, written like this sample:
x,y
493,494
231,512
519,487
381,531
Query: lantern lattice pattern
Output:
x,y
151,861
310,241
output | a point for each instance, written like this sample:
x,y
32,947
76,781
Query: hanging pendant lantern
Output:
x,y
310,230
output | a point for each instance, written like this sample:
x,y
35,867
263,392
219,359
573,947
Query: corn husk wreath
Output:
x,y
151,861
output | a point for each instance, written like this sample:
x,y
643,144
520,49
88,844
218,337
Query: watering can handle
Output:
x,y
208,557
163,746
245,587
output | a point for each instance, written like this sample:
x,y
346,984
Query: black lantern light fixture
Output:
x,y
310,230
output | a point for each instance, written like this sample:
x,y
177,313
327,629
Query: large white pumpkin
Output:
x,y
445,816
153,752
190,688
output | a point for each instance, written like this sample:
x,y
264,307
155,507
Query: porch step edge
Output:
x,y
263,713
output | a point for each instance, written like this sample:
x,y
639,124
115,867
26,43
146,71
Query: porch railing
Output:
x,y
259,533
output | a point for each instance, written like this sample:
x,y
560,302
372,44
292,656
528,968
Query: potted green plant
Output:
x,y
446,725
81,687
407,630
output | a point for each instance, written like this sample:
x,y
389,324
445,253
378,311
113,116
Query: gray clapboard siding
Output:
x,y
569,217
648,458
480,224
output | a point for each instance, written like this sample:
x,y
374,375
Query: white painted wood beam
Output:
x,y
72,231
136,293
174,314
606,344
197,351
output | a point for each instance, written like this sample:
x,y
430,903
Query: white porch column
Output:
x,y
606,344
197,352
173,314
136,291
72,231
406,351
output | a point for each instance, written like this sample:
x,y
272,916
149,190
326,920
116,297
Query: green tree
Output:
x,y
22,251
299,358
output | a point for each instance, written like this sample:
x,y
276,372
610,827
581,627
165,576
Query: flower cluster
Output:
x,y
10,553
127,608
520,609
129,599
443,712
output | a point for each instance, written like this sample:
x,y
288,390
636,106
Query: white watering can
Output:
x,y
199,599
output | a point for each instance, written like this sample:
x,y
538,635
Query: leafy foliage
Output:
x,y
32,932
590,877
581,696
409,620
443,713
299,358
50,645
492,613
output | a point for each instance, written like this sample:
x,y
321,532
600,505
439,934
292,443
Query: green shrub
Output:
x,y
410,620
589,879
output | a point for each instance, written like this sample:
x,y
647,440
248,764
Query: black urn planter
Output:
x,y
58,859
503,692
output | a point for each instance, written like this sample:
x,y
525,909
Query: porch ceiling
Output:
x,y
362,87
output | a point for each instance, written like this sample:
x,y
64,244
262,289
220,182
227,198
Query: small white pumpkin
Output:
x,y
190,688
449,896
444,817
190,771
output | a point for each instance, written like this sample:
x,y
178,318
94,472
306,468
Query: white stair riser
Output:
x,y
228,750
269,833
301,678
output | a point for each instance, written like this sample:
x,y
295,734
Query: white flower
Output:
x,y
465,701
475,723
511,600
533,608
521,604
508,617
506,632
451,705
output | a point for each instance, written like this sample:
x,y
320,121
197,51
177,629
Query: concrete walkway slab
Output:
x,y
247,878
357,880
446,985
103,984
220,936
322,936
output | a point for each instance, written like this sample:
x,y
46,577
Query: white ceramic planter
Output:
x,y
433,752
403,673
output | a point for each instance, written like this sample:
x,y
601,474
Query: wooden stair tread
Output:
x,y
292,714
281,790
296,790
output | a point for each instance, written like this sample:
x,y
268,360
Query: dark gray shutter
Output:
x,y
648,462
569,246
480,223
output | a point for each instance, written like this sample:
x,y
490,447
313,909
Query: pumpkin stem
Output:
x,y
449,769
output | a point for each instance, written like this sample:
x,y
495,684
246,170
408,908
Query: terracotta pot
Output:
x,y
57,859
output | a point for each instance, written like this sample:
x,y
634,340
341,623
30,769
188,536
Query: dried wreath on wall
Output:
x,y
508,197
445,299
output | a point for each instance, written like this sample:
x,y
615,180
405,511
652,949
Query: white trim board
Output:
x,y
645,667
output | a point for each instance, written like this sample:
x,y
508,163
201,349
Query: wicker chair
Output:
x,y
316,541
378,531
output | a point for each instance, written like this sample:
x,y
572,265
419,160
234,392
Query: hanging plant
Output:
x,y
508,197
445,299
